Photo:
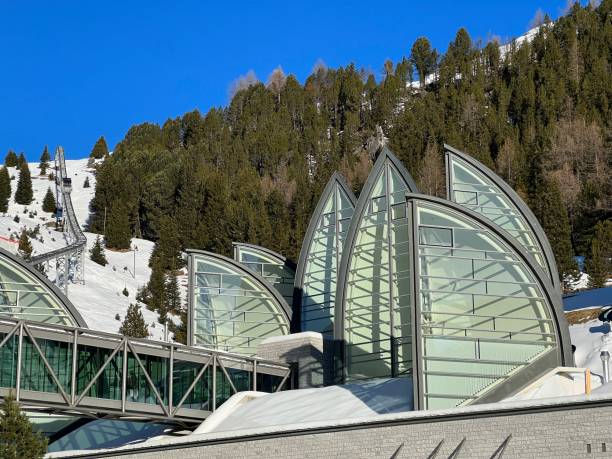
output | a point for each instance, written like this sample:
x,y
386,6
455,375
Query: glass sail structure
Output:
x,y
473,185
231,308
320,257
273,267
26,294
373,299
488,319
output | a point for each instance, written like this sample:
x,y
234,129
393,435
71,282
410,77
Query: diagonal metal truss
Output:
x,y
33,348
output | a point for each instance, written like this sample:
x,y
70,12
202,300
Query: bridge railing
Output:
x,y
75,370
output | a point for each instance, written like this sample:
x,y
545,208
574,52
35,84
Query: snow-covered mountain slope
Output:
x,y
100,299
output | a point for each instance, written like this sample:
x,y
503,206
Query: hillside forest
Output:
x,y
540,114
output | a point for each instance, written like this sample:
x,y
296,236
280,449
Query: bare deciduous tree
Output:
x,y
243,82
507,163
537,20
276,82
281,182
578,156
356,172
431,177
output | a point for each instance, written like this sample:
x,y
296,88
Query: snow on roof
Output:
x,y
418,416
559,382
349,401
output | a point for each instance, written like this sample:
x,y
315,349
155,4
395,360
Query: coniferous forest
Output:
x,y
540,114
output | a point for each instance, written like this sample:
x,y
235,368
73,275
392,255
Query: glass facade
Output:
x,y
469,186
376,286
58,349
483,315
273,267
232,309
24,296
321,254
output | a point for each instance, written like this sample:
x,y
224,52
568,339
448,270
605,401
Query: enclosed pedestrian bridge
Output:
x,y
68,369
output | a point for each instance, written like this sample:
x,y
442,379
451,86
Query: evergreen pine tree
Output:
x,y
167,250
5,189
118,232
173,294
100,149
156,290
44,161
25,246
180,331
599,262
45,156
554,219
96,254
24,193
134,325
18,439
21,160
423,57
10,159
49,204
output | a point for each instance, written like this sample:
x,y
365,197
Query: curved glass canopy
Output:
x,y
473,185
373,298
488,318
26,294
273,267
317,271
232,308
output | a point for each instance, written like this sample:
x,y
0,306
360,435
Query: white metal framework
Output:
x,y
73,370
69,260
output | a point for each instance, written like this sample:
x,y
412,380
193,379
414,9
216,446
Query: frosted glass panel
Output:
x,y
272,268
233,311
318,293
471,188
483,314
377,292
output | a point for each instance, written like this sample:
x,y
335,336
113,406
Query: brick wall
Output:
x,y
308,352
559,432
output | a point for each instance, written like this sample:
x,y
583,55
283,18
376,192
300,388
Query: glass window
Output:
x,y
442,237
469,198
482,318
273,267
322,259
24,296
488,199
398,211
237,316
373,298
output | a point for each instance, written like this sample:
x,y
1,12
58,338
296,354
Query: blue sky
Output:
x,y
72,71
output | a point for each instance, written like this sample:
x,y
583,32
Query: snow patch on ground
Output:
x,y
100,299
590,339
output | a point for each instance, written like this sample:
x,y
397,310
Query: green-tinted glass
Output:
x,y
378,289
471,188
483,314
239,314
322,261
22,296
273,269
